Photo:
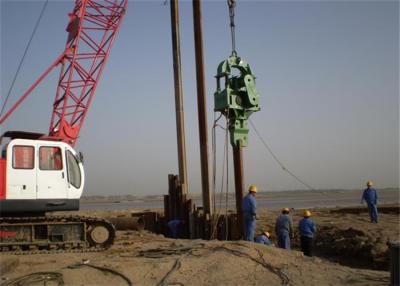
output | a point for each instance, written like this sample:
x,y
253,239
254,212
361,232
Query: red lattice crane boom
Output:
x,y
91,32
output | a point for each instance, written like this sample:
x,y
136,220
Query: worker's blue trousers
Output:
x,y
284,240
174,233
373,212
250,227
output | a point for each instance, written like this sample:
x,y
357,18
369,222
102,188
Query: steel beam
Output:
x,y
180,126
239,182
201,106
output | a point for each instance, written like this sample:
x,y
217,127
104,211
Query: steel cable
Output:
x,y
214,160
23,57
232,5
213,165
214,147
284,168
227,173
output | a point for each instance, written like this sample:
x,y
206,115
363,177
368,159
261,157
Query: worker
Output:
x,y
284,229
249,213
307,231
371,198
57,160
175,227
264,238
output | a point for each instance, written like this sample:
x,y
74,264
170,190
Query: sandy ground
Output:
x,y
346,235
150,259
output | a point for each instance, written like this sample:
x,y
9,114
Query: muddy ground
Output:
x,y
344,235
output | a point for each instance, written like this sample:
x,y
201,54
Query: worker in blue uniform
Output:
x,y
284,229
249,207
307,231
371,198
264,238
175,227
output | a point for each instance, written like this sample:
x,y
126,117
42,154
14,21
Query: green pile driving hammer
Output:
x,y
238,98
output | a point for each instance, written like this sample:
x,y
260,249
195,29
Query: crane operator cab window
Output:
x,y
74,173
23,157
50,158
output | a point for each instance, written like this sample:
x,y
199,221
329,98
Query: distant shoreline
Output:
x,y
270,200
122,198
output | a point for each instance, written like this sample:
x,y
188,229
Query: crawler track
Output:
x,y
55,234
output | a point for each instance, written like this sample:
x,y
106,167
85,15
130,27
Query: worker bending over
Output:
x,y
371,198
264,238
175,227
249,206
307,231
284,229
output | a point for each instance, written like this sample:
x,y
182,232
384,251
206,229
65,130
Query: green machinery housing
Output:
x,y
238,98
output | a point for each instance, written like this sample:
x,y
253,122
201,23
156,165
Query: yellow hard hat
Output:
x,y
253,188
307,213
285,210
267,234
370,183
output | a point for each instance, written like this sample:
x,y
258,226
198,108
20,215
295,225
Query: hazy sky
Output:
x,y
327,72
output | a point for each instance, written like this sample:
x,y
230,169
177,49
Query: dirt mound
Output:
x,y
349,245
154,260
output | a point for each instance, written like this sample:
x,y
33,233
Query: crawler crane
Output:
x,y
42,172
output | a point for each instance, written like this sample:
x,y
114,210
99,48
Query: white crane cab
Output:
x,y
39,175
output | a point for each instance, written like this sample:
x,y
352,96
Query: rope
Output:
x,y
232,5
23,57
284,168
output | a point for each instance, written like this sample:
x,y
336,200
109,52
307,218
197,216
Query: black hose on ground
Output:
x,y
34,278
175,267
104,269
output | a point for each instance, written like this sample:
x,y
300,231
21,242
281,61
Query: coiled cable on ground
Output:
x,y
189,250
36,277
